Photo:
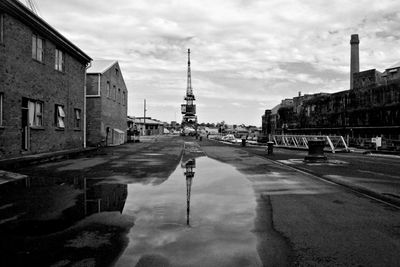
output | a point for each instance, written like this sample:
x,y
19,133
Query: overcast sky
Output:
x,y
247,55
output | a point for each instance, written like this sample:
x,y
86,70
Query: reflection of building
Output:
x,y
146,126
100,197
189,173
42,81
46,207
106,98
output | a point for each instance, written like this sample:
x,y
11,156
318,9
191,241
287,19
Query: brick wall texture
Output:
x,y
23,77
106,111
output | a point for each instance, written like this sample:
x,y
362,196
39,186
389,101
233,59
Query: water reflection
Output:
x,y
189,174
44,222
220,210
47,205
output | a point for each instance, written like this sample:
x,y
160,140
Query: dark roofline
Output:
x,y
18,10
114,62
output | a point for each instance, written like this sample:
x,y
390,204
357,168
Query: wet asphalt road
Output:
x,y
150,204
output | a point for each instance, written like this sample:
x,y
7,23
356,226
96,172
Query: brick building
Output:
x,y
106,100
370,109
42,81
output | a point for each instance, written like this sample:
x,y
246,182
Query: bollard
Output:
x,y
270,148
316,151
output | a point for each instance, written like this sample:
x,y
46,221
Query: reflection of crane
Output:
x,y
189,173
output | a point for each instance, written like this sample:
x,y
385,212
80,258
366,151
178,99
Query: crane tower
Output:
x,y
188,109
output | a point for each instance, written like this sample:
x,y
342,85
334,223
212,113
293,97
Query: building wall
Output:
x,y
93,121
106,112
358,113
24,77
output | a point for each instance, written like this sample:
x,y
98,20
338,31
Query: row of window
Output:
x,y
38,44
35,111
112,93
35,114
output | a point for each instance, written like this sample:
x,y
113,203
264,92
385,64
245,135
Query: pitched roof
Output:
x,y
101,66
394,66
26,16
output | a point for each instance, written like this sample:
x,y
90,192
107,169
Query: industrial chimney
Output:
x,y
354,57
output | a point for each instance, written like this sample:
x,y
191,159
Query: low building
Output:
x,y
42,85
106,100
146,125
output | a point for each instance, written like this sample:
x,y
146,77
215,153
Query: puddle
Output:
x,y
202,215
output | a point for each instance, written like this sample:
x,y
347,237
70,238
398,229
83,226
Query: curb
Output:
x,y
15,163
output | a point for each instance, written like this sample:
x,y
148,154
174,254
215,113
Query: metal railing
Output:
x,y
334,143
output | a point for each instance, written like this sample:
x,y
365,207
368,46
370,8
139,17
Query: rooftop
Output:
x,y
25,15
395,65
99,66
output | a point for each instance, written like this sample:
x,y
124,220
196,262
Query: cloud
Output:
x,y
243,52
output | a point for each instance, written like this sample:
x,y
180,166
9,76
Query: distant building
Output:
x,y
370,108
106,98
42,81
146,126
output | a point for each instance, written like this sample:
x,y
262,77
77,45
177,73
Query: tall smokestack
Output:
x,y
354,57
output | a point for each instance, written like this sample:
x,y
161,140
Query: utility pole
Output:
x,y
144,117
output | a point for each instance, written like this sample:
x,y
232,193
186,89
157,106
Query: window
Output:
x,y
35,109
1,28
108,93
119,95
59,62
114,92
59,116
77,118
116,72
1,108
37,48
123,98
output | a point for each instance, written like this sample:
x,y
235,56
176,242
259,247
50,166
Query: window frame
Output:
x,y
123,98
35,48
59,56
114,93
36,119
1,28
59,116
1,108
108,89
77,119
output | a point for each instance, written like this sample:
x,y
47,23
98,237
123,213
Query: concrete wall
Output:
x,y
106,112
24,77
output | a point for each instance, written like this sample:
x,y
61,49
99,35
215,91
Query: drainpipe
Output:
x,y
84,105
98,86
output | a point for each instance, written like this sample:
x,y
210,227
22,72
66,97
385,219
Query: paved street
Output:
x,y
173,201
